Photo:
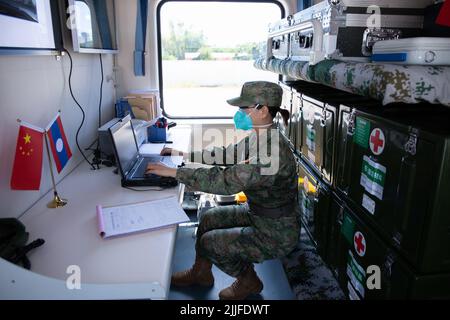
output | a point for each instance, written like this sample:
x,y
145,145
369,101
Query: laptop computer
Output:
x,y
131,164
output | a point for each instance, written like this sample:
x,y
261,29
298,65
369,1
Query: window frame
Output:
x,y
159,47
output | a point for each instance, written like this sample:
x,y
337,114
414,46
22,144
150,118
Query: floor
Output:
x,y
302,275
271,272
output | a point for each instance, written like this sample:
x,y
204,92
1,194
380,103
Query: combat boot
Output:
x,y
199,274
247,283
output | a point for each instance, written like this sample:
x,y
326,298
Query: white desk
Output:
x,y
134,266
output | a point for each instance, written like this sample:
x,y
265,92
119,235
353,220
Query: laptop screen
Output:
x,y
126,147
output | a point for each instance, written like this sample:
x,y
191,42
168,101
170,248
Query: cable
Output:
x,y
101,93
79,106
160,189
107,160
97,151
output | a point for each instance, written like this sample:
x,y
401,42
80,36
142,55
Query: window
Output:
x,y
207,51
94,26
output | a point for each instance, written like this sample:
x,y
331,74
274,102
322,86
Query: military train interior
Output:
x,y
134,162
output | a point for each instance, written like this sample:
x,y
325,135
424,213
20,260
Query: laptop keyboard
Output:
x,y
142,166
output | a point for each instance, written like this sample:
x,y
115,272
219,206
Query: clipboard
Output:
x,y
138,217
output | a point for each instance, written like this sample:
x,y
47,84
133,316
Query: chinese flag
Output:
x,y
444,15
27,168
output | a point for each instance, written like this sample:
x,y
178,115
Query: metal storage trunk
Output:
x,y
298,87
368,268
314,201
278,46
320,113
334,230
296,118
348,29
395,165
286,103
419,51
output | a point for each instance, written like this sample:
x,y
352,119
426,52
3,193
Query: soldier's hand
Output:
x,y
161,169
171,152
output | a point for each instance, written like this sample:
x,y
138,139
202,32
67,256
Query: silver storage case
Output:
x,y
280,36
418,51
347,29
279,45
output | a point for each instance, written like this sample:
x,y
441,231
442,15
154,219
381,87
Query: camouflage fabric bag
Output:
x,y
388,83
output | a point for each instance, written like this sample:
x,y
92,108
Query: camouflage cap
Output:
x,y
258,92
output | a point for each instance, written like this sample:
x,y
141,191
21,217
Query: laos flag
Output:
x,y
58,143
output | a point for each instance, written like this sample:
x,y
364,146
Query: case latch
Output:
x,y
397,239
388,263
351,123
373,35
323,119
411,144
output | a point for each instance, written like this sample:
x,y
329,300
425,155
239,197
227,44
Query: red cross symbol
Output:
x,y
360,243
377,141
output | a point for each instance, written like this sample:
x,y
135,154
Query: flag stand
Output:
x,y
57,201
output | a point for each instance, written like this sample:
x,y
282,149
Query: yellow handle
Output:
x,y
309,187
241,197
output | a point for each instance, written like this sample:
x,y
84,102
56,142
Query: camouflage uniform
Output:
x,y
233,237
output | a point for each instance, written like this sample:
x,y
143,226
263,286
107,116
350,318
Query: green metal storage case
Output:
x,y
286,103
296,128
395,166
320,114
368,268
295,120
296,132
314,201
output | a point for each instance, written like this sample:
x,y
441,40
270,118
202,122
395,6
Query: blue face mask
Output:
x,y
242,120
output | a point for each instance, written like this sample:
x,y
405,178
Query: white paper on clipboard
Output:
x,y
143,216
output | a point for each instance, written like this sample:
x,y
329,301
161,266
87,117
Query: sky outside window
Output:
x,y
208,50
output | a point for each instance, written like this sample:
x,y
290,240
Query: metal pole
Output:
x,y
50,164
57,201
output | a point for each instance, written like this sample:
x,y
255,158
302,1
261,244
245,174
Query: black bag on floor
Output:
x,y
13,242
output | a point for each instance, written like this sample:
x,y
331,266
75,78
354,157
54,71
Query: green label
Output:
x,y
348,228
356,274
373,173
356,269
373,176
310,138
362,132
306,206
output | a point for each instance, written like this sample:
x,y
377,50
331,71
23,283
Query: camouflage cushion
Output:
x,y
388,83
